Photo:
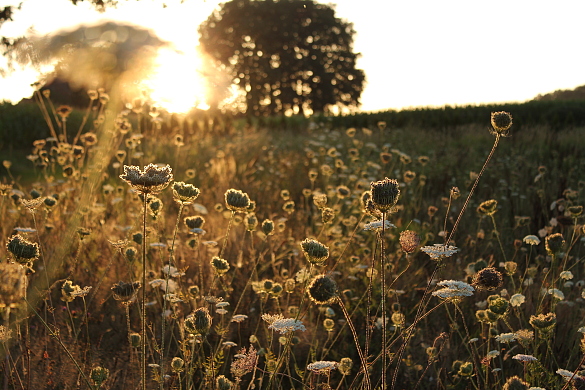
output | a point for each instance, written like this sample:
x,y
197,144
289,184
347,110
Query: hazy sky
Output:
x,y
414,52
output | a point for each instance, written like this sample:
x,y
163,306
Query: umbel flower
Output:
x,y
409,241
125,291
237,200
501,123
487,279
286,325
152,180
199,322
554,243
322,290
384,194
438,252
489,207
315,252
453,289
185,193
322,367
23,251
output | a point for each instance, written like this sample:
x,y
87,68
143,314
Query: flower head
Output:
x,y
531,240
524,358
199,322
23,251
152,180
385,194
453,289
315,252
438,252
286,325
409,241
501,123
377,225
487,279
322,367
554,243
517,300
322,290
125,291
185,193
237,200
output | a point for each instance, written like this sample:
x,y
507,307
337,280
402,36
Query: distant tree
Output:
x,y
287,55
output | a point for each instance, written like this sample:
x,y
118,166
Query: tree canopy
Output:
x,y
289,56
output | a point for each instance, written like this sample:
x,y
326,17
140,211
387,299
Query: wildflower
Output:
x,y
497,305
172,271
239,318
177,364
251,222
453,289
24,251
385,194
69,291
223,383
125,291
558,294
377,225
501,123
506,337
515,383
99,375
488,207
315,252
345,366
286,325
409,241
150,181
185,193
524,358
221,266
543,322
487,279
327,215
554,243
289,206
492,354
268,227
566,374
322,290
199,322
237,200
322,367
195,222
244,362
320,200
517,300
566,275
438,252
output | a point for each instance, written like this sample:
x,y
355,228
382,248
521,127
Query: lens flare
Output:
x,y
177,82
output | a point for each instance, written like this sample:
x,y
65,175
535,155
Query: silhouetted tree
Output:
x,y
287,55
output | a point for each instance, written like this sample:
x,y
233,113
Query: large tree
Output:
x,y
287,55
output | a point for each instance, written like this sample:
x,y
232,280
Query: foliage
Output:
x,y
287,55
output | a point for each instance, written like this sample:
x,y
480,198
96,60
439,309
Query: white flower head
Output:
x,y
492,354
558,294
506,337
531,240
438,252
517,300
239,318
377,225
566,275
524,358
453,289
322,366
287,325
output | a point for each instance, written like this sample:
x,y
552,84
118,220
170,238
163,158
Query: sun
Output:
x,y
176,82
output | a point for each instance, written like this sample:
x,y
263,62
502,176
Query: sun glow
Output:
x,y
177,83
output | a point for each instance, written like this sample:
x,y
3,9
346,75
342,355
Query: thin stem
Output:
x,y
497,140
143,303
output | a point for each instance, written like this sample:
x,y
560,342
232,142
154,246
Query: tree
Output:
x,y
287,55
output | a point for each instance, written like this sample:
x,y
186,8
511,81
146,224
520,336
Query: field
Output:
x,y
286,255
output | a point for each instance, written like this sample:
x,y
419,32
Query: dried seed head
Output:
x,y
150,181
237,200
268,227
497,304
315,252
177,364
195,222
320,200
223,383
487,279
135,340
515,383
185,193
125,291
501,123
327,215
409,241
99,375
221,266
23,251
322,290
345,366
554,243
543,322
251,222
199,322
489,207
385,194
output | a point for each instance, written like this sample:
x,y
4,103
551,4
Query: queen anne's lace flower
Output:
x,y
524,358
453,289
377,225
438,252
286,325
322,366
152,180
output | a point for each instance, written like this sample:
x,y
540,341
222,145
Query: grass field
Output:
x,y
259,257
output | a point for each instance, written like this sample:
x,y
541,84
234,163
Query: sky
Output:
x,y
415,53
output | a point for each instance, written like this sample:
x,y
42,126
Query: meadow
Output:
x,y
142,250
